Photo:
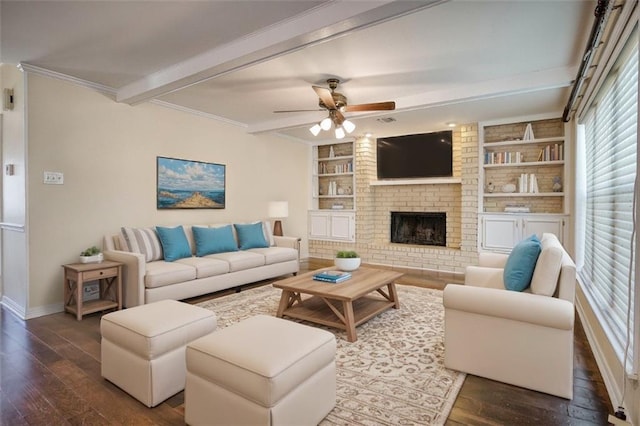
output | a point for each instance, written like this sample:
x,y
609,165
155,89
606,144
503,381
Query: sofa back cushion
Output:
x,y
250,235
174,243
520,265
213,240
141,240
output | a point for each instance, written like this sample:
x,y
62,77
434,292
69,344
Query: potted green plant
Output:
x,y
91,255
347,260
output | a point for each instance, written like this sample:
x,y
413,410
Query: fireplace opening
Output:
x,y
421,228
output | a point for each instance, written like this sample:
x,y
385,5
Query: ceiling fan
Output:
x,y
336,104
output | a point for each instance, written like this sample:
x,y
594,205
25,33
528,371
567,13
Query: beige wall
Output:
x,y
107,152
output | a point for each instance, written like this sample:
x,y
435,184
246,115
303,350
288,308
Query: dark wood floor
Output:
x,y
50,375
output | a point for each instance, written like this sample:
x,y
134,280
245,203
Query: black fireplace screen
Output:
x,y
423,228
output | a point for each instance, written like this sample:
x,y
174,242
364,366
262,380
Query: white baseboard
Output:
x,y
41,311
614,391
19,311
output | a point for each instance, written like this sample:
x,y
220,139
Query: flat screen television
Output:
x,y
424,155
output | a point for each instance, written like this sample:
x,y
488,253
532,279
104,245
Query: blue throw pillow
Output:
x,y
520,265
174,243
214,240
250,236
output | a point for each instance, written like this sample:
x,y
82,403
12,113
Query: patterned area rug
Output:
x,y
393,374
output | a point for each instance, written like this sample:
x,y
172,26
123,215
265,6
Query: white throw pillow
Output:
x,y
547,271
141,240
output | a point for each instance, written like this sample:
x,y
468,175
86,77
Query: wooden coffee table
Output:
x,y
343,305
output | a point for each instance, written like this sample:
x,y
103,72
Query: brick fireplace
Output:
x,y
457,201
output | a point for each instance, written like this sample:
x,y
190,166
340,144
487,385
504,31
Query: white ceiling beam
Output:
x,y
327,21
512,85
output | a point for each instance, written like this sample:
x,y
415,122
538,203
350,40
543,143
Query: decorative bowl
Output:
x,y
347,263
98,258
509,188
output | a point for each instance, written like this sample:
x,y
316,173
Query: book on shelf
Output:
x,y
332,276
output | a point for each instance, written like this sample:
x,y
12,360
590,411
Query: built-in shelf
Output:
x,y
527,164
335,174
522,194
524,142
425,181
336,158
336,196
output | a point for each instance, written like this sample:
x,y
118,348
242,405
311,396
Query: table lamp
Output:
x,y
278,210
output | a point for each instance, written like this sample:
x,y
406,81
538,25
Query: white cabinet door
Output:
x,y
319,225
500,232
343,226
332,226
539,225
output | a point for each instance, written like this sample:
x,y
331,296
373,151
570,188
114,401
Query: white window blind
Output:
x,y
611,157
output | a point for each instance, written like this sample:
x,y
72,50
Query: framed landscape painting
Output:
x,y
188,184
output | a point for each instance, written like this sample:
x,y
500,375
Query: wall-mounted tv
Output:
x,y
423,155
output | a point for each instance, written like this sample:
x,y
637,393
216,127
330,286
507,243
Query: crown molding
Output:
x,y
210,116
33,69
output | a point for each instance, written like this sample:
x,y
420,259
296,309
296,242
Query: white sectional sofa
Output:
x,y
149,276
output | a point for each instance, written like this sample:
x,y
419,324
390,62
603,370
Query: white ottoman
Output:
x,y
261,371
143,348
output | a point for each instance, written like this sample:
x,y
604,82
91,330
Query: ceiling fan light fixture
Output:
x,y
325,124
315,129
348,126
339,133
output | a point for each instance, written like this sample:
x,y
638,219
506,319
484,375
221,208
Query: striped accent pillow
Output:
x,y
141,240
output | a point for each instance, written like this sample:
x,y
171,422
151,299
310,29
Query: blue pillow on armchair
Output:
x,y
521,263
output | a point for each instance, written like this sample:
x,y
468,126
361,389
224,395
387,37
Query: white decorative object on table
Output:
x,y
97,258
347,261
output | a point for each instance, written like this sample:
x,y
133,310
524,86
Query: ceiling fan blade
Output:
x,y
325,95
300,110
338,118
377,106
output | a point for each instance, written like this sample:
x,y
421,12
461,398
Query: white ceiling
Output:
x,y
238,61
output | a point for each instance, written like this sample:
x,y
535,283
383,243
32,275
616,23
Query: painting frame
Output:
x,y
189,184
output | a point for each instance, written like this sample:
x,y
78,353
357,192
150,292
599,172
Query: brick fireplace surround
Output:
x,y
374,205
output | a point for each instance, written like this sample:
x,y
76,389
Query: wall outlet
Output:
x,y
53,178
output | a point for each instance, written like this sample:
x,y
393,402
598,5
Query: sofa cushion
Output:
x,y
141,240
161,273
213,240
206,267
518,270
174,243
276,254
547,271
250,235
239,260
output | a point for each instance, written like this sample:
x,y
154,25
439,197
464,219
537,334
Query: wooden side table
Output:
x,y
107,273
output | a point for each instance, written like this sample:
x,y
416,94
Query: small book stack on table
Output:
x,y
332,276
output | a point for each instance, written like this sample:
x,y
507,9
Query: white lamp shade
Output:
x,y
348,126
279,209
339,133
325,124
315,129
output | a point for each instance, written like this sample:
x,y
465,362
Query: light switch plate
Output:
x,y
53,178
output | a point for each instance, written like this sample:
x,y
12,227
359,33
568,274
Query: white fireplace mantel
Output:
x,y
425,181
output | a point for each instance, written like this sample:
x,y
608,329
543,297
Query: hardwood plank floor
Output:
x,y
50,374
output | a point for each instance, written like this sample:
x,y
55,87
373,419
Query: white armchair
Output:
x,y
521,338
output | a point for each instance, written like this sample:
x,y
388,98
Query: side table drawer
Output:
x,y
103,273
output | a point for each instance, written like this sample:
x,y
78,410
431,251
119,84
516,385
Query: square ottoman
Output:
x,y
261,371
143,348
